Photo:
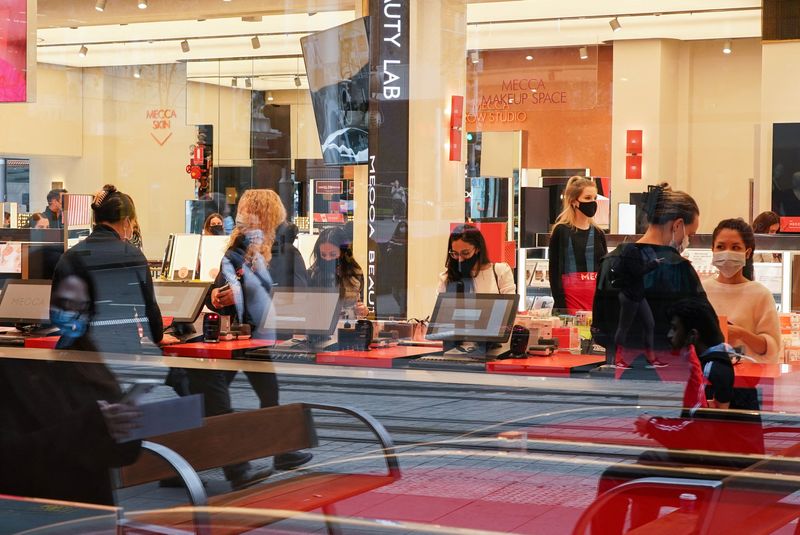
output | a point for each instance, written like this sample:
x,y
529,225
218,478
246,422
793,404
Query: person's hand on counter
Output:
x,y
362,311
168,339
222,297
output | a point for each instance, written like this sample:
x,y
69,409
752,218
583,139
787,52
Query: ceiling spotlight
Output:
x,y
726,48
248,83
185,46
255,42
529,57
584,52
474,57
137,72
297,80
100,5
234,82
615,25
270,98
142,4
312,13
83,51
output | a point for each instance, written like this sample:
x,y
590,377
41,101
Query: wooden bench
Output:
x,y
244,436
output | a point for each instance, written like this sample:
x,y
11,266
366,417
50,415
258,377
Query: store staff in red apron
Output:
x,y
576,247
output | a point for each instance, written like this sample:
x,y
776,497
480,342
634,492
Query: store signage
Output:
x,y
456,114
790,224
328,187
161,123
387,185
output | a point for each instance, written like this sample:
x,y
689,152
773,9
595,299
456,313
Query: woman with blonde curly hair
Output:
x,y
243,290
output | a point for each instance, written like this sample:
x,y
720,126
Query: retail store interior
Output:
x,y
462,363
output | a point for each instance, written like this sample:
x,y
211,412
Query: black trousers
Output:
x,y
214,385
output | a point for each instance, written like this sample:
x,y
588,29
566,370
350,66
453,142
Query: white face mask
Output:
x,y
729,263
683,245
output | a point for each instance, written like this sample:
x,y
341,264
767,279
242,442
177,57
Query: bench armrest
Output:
x,y
715,487
374,425
187,474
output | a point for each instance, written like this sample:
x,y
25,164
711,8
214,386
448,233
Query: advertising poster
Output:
x,y
13,50
786,174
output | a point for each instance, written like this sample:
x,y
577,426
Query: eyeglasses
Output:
x,y
462,254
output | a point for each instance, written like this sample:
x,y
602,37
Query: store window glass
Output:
x,y
380,265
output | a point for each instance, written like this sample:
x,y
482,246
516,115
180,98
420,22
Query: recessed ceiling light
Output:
x,y
83,51
726,47
185,46
474,56
137,72
297,80
270,98
529,57
255,42
100,5
615,25
584,52
142,4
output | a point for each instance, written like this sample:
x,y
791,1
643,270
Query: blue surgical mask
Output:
x,y
70,323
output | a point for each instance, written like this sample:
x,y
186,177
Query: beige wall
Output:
x,y
780,78
436,185
698,110
113,138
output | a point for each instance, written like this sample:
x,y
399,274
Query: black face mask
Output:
x,y
588,208
465,266
216,230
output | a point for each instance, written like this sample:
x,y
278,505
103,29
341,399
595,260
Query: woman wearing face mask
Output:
x,y
576,247
333,266
748,305
213,225
468,269
124,297
639,281
242,290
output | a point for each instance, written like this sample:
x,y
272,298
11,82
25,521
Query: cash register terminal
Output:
x,y
474,328
307,315
181,301
26,305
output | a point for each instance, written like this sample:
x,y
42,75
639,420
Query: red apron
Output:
x,y
579,286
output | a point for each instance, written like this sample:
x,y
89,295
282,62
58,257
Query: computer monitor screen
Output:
x,y
303,311
25,301
337,65
473,317
181,301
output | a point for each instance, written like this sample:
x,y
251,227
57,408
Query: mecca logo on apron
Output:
x,y
579,285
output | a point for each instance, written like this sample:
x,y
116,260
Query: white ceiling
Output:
x,y
491,25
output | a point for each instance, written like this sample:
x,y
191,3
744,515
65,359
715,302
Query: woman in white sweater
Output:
x,y
748,305
468,268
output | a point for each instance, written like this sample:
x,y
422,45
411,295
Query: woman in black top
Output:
x,y
576,247
652,272
124,299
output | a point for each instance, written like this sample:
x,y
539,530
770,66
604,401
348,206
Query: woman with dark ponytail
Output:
x,y
639,281
123,288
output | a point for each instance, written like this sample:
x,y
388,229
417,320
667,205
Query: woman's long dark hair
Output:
x,y
348,268
471,235
746,233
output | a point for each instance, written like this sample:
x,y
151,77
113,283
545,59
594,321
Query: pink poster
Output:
x,y
13,50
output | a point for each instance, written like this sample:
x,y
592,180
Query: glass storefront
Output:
x,y
399,266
